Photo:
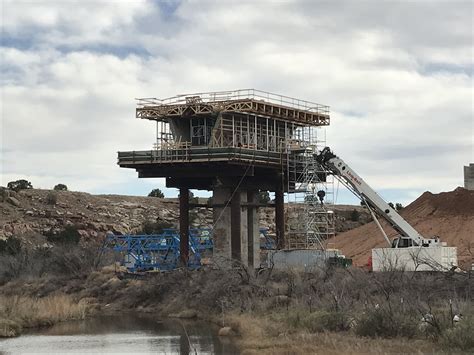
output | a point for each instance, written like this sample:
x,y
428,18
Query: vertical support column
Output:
x,y
253,231
222,230
235,227
280,216
244,240
184,225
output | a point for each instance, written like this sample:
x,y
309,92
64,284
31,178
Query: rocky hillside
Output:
x,y
35,212
449,215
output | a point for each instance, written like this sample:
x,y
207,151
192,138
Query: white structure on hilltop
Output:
x,y
469,177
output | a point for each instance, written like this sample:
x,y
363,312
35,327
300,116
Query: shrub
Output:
x,y
51,198
460,336
320,321
192,199
380,323
355,215
69,235
10,246
19,185
9,328
263,197
156,193
60,187
210,201
4,194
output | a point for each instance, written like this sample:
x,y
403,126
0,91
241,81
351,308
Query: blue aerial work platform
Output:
x,y
149,252
269,243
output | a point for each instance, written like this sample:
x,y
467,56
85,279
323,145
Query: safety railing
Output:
x,y
235,95
200,155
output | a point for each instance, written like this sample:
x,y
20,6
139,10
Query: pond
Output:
x,y
122,334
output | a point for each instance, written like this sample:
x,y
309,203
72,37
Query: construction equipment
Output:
x,y
201,238
153,252
409,250
266,241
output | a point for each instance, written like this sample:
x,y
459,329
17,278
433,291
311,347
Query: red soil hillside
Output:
x,y
449,215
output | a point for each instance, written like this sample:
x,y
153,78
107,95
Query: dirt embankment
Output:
x,y
449,215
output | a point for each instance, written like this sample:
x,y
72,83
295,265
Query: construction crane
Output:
x,y
408,237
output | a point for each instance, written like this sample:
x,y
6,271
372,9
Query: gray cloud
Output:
x,y
398,77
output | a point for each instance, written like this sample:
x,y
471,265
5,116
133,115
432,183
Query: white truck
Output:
x,y
408,251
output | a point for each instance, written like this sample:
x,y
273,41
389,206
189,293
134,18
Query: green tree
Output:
x,y
156,193
19,185
60,187
192,199
398,206
263,197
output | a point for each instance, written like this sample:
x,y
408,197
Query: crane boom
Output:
x,y
409,237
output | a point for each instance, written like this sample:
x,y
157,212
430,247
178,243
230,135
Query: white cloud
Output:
x,y
398,78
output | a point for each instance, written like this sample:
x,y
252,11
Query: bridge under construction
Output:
x,y
237,144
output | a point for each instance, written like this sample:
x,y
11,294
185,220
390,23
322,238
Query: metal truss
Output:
x,y
158,252
239,101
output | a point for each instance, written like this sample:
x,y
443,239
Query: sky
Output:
x,y
396,74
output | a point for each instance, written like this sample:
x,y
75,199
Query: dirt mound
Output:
x,y
459,202
449,215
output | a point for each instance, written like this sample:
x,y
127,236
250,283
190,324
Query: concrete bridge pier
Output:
x,y
236,232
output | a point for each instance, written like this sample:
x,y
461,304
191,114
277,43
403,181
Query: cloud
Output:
x,y
398,78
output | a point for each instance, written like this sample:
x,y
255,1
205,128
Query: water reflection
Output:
x,y
122,334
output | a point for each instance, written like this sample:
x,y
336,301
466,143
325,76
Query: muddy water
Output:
x,y
121,334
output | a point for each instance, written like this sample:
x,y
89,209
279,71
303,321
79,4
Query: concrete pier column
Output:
x,y
184,225
280,217
244,240
222,227
253,231
236,227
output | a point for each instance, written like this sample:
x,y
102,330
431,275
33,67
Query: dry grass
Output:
x,y
18,312
262,335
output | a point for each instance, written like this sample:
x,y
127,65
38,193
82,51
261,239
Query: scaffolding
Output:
x,y
310,215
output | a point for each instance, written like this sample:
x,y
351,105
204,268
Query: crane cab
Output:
x,y
406,242
402,242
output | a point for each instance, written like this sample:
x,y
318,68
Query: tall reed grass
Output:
x,y
17,312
